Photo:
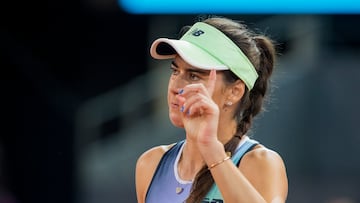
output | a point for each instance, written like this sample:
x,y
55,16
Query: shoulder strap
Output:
x,y
214,194
246,147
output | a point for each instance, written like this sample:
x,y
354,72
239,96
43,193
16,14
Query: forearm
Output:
x,y
233,185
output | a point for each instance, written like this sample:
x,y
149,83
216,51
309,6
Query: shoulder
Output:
x,y
263,155
149,160
145,168
262,159
265,169
153,155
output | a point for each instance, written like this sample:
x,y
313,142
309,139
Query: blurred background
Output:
x,y
81,99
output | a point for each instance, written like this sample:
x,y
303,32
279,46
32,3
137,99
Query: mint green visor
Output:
x,y
205,47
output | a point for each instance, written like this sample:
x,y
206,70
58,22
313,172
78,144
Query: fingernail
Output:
x,y
182,108
181,91
188,112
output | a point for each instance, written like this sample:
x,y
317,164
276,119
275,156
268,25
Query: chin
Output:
x,y
176,120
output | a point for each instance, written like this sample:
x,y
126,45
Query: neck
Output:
x,y
190,161
226,129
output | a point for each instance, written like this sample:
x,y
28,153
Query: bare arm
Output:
x,y
261,177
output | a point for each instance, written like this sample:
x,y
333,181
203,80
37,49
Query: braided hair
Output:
x,y
261,52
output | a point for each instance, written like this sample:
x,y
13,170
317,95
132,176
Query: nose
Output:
x,y
177,82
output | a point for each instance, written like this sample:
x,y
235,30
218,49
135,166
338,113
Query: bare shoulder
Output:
x,y
263,156
153,155
265,169
145,169
148,161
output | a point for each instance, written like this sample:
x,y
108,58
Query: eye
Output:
x,y
193,77
174,71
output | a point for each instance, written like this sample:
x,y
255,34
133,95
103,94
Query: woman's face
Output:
x,y
183,74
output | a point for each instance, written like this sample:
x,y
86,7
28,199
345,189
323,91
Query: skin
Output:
x,y
200,109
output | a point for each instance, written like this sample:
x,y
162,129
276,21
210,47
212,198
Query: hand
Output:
x,y
200,113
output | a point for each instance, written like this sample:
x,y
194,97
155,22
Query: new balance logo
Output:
x,y
197,32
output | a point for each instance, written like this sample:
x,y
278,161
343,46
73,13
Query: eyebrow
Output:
x,y
191,69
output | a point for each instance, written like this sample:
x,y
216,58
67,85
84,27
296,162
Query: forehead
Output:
x,y
178,62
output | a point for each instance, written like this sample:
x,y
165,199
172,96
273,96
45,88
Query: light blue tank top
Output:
x,y
163,186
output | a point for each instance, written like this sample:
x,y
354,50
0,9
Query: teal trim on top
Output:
x,y
241,7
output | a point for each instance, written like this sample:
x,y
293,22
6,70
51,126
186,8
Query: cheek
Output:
x,y
169,91
219,95
174,112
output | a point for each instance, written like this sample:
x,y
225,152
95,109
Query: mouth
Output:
x,y
174,105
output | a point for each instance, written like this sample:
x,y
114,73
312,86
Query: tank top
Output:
x,y
164,184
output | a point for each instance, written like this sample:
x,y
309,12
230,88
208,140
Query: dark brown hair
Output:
x,y
261,52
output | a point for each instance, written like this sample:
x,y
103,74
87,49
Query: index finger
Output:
x,y
211,82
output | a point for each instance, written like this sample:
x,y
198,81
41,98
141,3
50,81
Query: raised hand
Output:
x,y
200,113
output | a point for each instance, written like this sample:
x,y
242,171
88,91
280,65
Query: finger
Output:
x,y
197,109
188,105
180,99
211,82
192,89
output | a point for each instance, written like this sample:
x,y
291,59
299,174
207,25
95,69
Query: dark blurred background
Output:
x,y
81,99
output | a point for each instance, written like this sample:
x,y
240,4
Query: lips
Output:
x,y
174,105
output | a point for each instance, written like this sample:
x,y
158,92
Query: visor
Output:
x,y
205,47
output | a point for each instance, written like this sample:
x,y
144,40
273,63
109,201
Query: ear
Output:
x,y
236,91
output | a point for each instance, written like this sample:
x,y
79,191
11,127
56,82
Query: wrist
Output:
x,y
213,153
211,166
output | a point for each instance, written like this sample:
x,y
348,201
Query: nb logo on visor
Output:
x,y
196,32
